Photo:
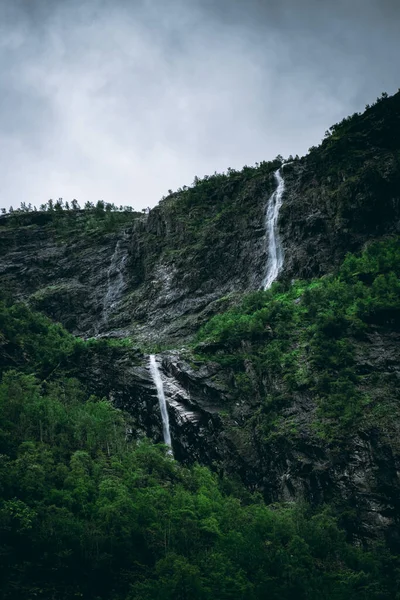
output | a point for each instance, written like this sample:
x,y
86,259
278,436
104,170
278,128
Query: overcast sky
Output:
x,y
124,99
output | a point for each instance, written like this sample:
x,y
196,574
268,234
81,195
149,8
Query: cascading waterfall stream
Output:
x,y
115,280
275,251
156,375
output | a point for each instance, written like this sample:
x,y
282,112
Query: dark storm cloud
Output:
x,y
122,100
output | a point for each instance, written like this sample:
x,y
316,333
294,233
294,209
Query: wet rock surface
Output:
x,y
359,476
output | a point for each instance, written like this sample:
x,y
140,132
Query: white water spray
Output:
x,y
155,373
275,252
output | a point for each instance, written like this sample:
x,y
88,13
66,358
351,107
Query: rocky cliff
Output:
x,y
343,193
196,247
202,244
158,278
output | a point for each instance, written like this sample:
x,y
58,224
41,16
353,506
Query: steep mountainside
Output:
x,y
343,193
206,242
293,389
195,247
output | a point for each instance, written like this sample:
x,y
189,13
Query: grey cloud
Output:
x,y
123,100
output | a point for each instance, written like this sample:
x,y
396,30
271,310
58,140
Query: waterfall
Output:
x,y
275,252
156,375
115,280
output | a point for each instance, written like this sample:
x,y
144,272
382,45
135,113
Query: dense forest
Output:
x,y
89,511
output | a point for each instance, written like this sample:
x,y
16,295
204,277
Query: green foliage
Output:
x,y
31,341
63,221
87,512
306,335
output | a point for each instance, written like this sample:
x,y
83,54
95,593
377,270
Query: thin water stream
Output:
x,y
275,251
156,375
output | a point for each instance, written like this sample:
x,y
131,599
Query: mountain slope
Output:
x,y
294,389
203,243
88,512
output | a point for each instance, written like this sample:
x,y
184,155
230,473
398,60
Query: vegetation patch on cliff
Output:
x,y
305,336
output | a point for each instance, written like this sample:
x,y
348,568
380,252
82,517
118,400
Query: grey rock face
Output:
x,y
67,277
331,209
156,280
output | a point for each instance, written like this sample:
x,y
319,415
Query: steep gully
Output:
x,y
115,284
274,266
